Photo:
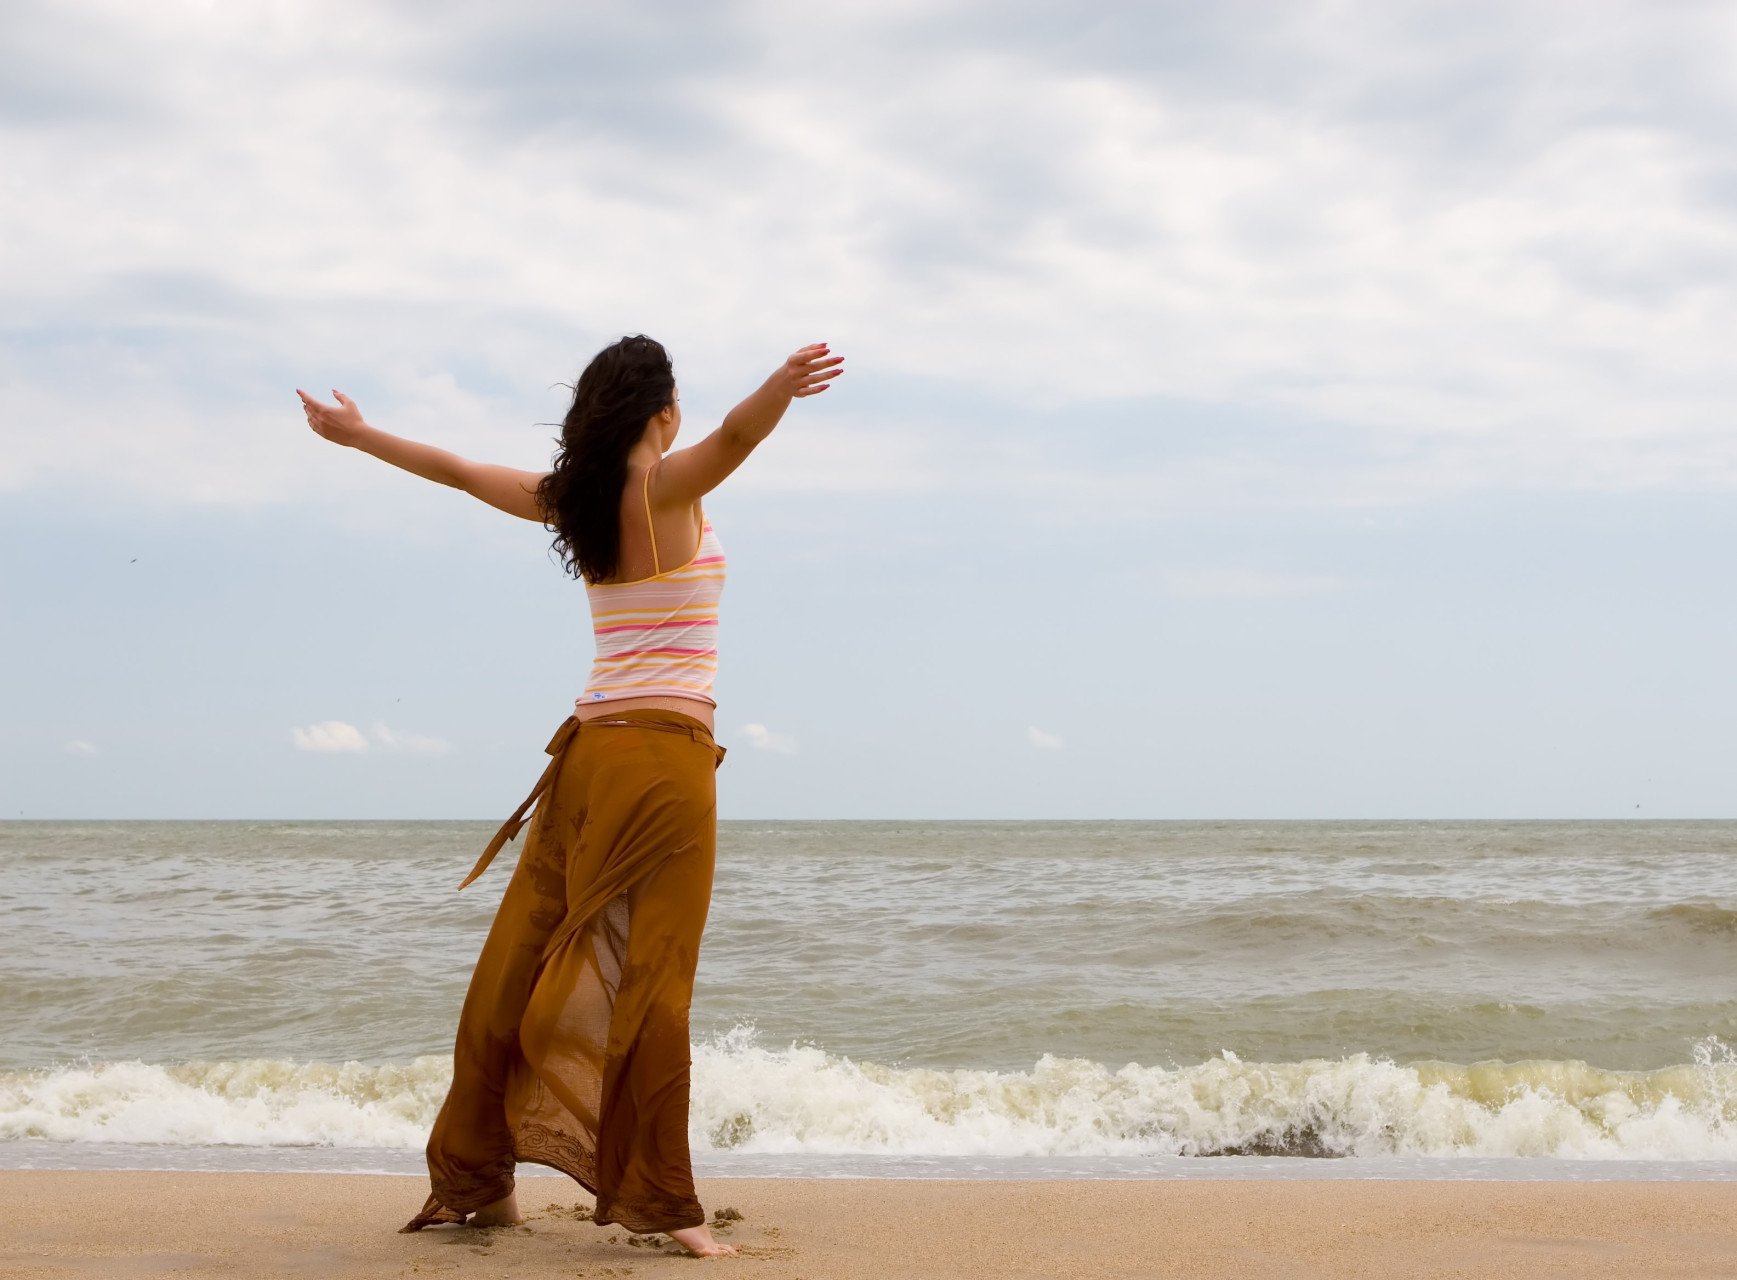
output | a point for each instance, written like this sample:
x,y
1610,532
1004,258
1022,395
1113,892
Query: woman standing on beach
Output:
x,y
572,1048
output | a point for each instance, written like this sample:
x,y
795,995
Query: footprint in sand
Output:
x,y
768,1251
580,1211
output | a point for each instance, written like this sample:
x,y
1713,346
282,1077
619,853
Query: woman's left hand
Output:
x,y
340,423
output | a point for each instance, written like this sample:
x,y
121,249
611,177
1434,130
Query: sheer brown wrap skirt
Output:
x,y
572,1048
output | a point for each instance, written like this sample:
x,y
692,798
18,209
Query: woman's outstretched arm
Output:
x,y
687,475
507,488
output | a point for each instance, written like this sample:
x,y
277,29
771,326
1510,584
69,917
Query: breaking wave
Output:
x,y
749,1097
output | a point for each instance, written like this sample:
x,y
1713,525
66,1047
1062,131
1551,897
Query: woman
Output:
x,y
572,1047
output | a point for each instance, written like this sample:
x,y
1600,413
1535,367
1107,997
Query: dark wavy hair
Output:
x,y
625,384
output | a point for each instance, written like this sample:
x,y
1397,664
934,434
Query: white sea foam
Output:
x,y
752,1098
258,1102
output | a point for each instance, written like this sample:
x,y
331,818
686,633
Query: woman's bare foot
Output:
x,y
502,1213
698,1241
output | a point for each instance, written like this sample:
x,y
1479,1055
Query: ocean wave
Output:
x,y
255,1102
1699,917
750,1097
1329,915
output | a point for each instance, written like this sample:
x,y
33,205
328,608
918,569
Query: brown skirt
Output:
x,y
572,1047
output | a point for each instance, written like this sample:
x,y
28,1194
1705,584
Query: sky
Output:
x,y
1288,410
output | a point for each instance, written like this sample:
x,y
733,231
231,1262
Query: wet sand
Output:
x,y
55,1224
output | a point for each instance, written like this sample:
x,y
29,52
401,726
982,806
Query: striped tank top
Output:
x,y
658,636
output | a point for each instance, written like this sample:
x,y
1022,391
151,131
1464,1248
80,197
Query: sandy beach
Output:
x,y
55,1224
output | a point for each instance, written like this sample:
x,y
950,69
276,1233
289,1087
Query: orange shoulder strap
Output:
x,y
650,527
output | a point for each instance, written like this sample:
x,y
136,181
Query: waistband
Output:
x,y
652,718
646,718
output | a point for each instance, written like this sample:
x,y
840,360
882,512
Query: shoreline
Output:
x,y
101,1157
78,1223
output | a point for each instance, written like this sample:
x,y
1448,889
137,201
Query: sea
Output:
x,y
1552,1000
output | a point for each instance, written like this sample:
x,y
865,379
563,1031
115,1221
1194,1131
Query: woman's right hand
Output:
x,y
340,423
807,372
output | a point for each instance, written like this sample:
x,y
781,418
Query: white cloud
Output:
x,y
79,747
764,739
415,743
340,735
1248,582
1046,741
329,736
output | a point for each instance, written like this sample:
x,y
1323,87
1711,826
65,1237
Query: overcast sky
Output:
x,y
1253,410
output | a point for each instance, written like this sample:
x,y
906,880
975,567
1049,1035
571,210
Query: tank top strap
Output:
x,y
650,525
